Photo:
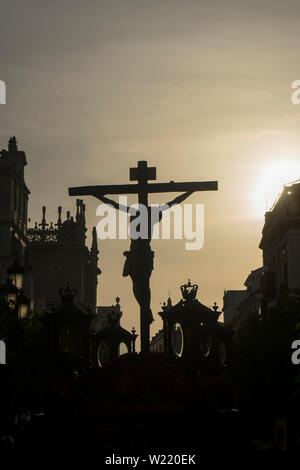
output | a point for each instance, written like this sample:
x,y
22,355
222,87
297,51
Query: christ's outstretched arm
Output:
x,y
175,201
113,203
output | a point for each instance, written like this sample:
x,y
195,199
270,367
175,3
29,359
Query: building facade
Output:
x,y
52,254
13,206
57,254
157,342
280,244
238,305
232,299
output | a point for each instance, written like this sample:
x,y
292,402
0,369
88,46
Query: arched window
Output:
x,y
123,349
103,354
205,340
177,339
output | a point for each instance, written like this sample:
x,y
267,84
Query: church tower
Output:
x,y
13,206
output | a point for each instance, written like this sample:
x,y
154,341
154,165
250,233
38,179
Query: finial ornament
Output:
x,y
59,221
134,336
43,224
67,295
189,291
78,205
94,247
12,144
215,306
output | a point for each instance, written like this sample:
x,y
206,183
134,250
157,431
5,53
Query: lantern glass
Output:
x,y
22,310
177,339
205,340
19,280
16,275
103,353
12,278
123,349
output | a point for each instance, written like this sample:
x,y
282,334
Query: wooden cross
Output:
x,y
142,174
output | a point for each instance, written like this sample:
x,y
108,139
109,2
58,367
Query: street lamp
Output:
x,y
16,274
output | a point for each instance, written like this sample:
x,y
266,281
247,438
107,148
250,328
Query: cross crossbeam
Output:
x,y
148,188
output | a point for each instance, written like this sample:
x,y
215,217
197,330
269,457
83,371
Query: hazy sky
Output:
x,y
202,90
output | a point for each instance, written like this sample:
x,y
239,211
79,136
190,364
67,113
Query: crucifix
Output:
x,y
139,259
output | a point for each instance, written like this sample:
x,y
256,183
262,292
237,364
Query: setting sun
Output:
x,y
271,182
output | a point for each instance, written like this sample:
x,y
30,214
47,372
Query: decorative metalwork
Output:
x,y
54,233
41,235
67,295
189,291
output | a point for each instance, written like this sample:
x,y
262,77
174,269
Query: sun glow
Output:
x,y
271,182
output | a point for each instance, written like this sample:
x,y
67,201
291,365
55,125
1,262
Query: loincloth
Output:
x,y
138,263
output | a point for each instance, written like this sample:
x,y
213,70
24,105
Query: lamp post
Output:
x,y
134,337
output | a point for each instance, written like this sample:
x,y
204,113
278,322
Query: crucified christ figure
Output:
x,y
139,259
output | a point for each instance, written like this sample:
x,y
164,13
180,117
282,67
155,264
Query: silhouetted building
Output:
x,y
51,254
238,305
280,244
157,342
13,206
192,333
232,299
58,254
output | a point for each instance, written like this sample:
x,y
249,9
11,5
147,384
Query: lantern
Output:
x,y
16,275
